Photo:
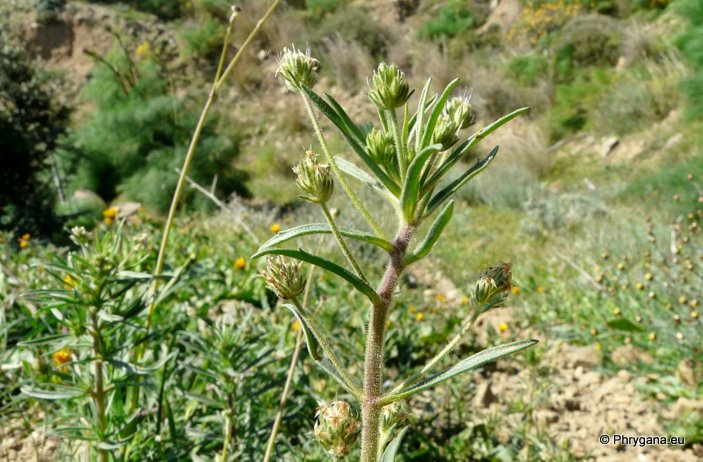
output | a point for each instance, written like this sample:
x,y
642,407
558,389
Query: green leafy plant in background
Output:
x,y
83,359
690,43
406,162
134,140
453,19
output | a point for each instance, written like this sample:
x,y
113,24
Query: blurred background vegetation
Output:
x,y
596,197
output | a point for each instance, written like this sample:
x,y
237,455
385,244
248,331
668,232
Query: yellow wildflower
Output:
x,y
296,325
617,311
23,244
275,228
109,215
70,282
464,300
503,326
440,298
515,290
26,237
61,357
540,289
412,309
420,316
652,336
240,263
143,50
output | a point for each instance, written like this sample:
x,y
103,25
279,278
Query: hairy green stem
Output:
x,y
413,379
291,371
337,172
329,351
342,244
99,392
373,361
399,145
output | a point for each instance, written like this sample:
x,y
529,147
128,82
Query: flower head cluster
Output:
x,y
445,132
313,179
298,69
388,88
336,428
460,111
283,276
380,146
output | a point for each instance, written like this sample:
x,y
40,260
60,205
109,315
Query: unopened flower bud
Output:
x,y
392,416
314,179
298,69
493,286
380,146
445,132
336,428
460,111
283,276
388,88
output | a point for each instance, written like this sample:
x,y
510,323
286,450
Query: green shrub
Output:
x,y
591,40
164,9
31,120
528,69
574,102
353,24
453,19
135,139
690,43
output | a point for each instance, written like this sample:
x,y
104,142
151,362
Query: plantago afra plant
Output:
x,y
406,162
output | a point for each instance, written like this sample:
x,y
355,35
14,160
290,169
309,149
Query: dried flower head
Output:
x,y
297,68
314,179
336,428
380,146
460,111
79,235
283,276
388,88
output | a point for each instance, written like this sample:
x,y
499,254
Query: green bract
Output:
x,y
380,146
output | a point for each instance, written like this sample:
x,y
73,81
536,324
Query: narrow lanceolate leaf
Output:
x,y
332,267
66,393
359,174
411,186
466,365
421,114
392,448
457,184
433,234
51,339
472,141
438,107
358,148
318,346
348,123
324,228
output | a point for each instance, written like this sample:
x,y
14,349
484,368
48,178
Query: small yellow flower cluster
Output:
x,y
240,263
69,282
61,357
23,241
109,215
143,50
536,23
275,228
